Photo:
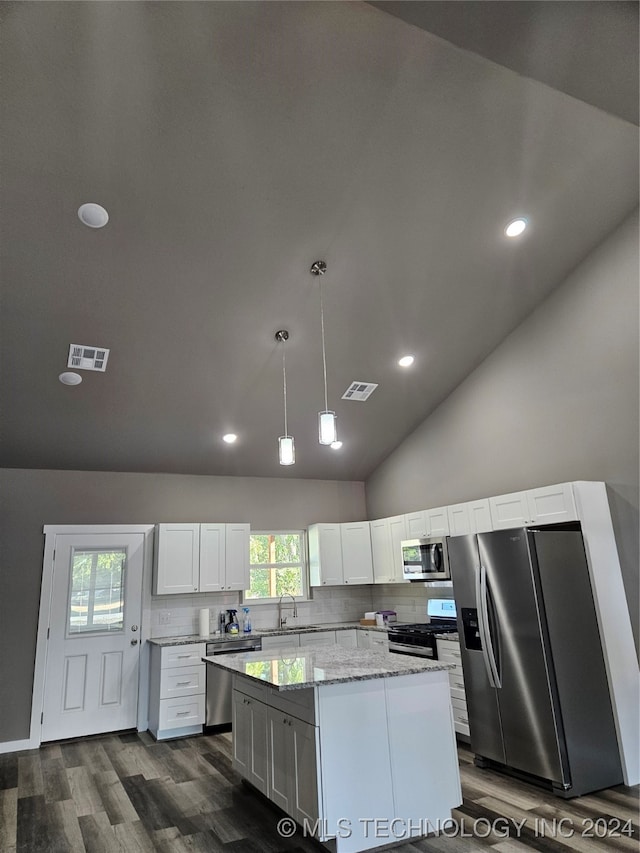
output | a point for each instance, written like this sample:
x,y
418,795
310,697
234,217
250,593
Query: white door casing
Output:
x,y
94,635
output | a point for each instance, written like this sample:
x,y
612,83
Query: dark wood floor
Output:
x,y
128,793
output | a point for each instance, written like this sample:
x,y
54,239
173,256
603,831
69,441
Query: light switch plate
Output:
x,y
164,617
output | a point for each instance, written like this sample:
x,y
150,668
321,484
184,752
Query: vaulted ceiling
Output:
x,y
233,144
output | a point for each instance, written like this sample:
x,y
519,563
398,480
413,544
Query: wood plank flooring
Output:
x,y
121,793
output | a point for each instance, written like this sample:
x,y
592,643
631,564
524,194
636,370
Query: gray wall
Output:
x,y
33,498
556,401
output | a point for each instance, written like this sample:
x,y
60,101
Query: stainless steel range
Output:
x,y
419,639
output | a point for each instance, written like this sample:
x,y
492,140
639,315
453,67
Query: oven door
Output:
x,y
425,560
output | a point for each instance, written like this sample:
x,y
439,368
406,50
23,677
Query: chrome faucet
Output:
x,y
282,620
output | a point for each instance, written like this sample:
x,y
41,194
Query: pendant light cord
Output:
x,y
284,389
324,356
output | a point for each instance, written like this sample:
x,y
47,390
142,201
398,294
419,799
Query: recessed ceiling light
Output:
x,y
70,378
93,215
515,227
336,445
230,437
406,361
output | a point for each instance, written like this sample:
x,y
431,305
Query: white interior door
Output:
x,y
93,647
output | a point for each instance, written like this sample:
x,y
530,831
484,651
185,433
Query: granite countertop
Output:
x,y
280,632
289,669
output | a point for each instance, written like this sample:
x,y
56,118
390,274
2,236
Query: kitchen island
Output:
x,y
358,747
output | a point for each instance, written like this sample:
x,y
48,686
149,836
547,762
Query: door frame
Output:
x,y
51,531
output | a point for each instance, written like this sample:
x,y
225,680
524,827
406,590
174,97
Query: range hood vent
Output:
x,y
359,391
88,358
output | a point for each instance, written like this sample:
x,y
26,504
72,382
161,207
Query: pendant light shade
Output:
x,y
327,421
286,446
286,450
327,427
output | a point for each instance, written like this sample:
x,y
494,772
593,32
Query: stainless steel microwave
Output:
x,y
425,559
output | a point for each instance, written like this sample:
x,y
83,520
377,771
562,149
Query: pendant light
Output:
x,y
327,422
286,447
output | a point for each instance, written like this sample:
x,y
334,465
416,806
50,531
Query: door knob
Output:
x,y
134,642
134,627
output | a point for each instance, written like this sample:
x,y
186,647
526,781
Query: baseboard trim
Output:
x,y
19,745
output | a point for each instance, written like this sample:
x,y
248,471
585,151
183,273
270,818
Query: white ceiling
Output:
x,y
233,144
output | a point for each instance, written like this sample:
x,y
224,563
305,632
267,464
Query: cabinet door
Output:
x,y
356,552
398,532
364,639
241,724
177,558
279,752
378,641
381,553
459,521
509,510
325,555
551,504
258,751
237,556
212,557
438,521
480,516
417,525
304,772
347,639
280,641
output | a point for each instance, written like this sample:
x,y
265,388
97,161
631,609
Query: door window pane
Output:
x,y
96,600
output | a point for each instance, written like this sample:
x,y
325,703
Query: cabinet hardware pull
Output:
x,y
182,683
184,656
182,713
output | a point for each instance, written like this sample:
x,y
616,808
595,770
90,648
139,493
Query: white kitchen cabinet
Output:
x,y
325,555
250,752
281,641
201,558
177,686
357,565
177,558
469,517
386,536
449,652
364,639
347,638
318,638
340,554
545,505
416,523
427,523
378,641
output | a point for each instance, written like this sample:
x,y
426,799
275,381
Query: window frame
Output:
x,y
303,563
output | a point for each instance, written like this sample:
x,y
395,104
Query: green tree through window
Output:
x,y
276,565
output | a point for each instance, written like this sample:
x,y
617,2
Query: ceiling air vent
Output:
x,y
88,358
359,391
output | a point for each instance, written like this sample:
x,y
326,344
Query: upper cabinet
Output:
x,y
201,558
340,554
546,505
469,517
386,536
427,522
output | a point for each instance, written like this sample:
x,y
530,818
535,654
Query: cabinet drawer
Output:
x,y
456,681
460,716
462,728
456,693
450,655
378,642
250,688
460,704
296,703
321,638
181,712
187,655
182,681
280,641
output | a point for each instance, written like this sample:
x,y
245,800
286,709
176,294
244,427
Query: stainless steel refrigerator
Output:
x,y
534,673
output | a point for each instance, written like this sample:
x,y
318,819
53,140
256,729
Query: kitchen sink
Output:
x,y
286,628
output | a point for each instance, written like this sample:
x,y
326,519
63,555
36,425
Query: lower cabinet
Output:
x,y
293,780
250,739
449,652
177,687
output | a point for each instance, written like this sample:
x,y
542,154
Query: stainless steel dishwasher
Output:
x,y
219,682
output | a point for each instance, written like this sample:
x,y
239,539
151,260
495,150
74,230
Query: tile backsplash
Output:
x,y
177,615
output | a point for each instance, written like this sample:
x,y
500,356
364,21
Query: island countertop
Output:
x,y
295,669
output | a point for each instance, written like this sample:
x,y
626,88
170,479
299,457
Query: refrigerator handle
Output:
x,y
483,622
